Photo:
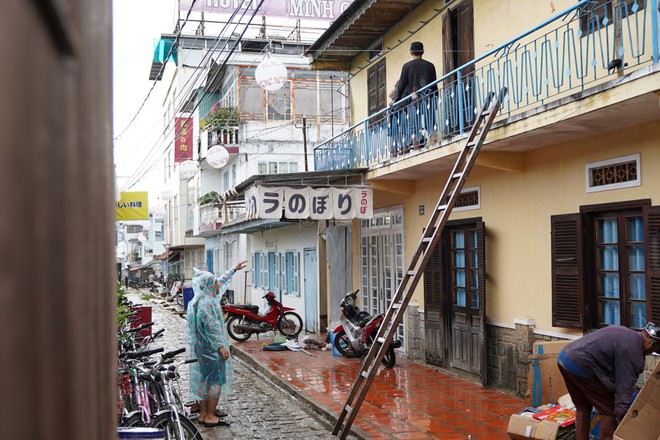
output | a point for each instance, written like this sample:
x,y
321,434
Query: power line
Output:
x,y
233,48
197,69
159,72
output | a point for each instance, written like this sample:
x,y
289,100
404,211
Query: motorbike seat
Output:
x,y
368,319
364,320
250,308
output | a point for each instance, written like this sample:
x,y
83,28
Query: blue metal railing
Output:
x,y
580,47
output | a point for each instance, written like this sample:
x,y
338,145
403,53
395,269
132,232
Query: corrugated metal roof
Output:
x,y
363,22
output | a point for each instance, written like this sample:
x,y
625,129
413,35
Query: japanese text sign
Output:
x,y
313,203
183,130
133,206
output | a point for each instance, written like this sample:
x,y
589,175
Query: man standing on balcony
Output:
x,y
416,74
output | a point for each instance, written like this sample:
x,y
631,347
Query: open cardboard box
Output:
x,y
527,428
642,421
545,382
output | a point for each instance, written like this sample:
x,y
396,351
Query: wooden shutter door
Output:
x,y
434,292
567,276
481,276
447,44
372,89
652,222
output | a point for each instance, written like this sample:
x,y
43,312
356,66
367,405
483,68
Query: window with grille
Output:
x,y
620,172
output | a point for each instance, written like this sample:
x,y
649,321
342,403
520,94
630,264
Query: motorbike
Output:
x,y
245,320
355,334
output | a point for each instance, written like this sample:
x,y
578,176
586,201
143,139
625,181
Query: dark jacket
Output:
x,y
415,74
615,356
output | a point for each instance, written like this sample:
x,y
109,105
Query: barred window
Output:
x,y
620,172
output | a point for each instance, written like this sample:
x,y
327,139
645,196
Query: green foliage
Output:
x,y
220,117
209,197
123,307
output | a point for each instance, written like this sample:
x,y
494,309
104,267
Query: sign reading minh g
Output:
x,y
298,9
133,206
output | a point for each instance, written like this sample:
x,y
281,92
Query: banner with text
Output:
x,y
298,9
133,206
313,203
183,131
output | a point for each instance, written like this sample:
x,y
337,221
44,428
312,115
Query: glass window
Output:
x,y
262,168
620,273
279,103
256,269
465,268
252,99
292,276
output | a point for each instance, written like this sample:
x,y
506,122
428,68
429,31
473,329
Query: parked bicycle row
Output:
x,y
149,389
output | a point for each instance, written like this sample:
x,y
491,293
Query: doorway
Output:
x,y
455,299
381,262
310,260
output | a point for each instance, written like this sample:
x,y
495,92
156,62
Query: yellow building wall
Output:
x,y
495,22
516,209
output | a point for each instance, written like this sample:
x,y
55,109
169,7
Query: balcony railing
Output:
x,y
581,47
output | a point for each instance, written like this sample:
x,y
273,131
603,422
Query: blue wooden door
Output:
x,y
209,261
311,291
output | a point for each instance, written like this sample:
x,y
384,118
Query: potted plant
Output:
x,y
209,197
220,117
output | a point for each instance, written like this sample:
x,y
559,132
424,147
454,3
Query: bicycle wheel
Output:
x,y
179,299
290,325
167,422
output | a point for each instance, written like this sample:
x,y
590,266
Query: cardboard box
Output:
x,y
545,383
526,428
642,421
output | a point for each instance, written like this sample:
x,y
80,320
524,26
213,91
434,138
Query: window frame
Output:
x,y
376,87
574,303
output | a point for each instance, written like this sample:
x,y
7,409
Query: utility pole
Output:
x,y
304,129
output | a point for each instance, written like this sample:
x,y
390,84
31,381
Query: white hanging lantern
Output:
x,y
158,212
217,156
166,195
271,74
187,169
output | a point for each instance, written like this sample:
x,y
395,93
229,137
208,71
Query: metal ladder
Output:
x,y
430,237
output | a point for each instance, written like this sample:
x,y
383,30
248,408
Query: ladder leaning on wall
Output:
x,y
430,237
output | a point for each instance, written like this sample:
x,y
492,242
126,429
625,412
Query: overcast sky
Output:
x,y
137,25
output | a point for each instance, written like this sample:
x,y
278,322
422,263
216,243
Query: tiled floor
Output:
x,y
410,401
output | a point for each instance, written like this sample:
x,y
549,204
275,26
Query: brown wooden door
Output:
x,y
458,50
377,93
436,328
455,300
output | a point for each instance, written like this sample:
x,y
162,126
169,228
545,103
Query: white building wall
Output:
x,y
296,237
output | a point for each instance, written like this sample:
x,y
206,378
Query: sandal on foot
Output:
x,y
220,422
221,414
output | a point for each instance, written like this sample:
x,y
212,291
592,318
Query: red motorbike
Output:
x,y
244,321
354,336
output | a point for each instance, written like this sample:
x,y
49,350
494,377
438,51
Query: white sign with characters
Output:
x,y
313,203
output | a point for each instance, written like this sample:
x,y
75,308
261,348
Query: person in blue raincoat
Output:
x,y
213,374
